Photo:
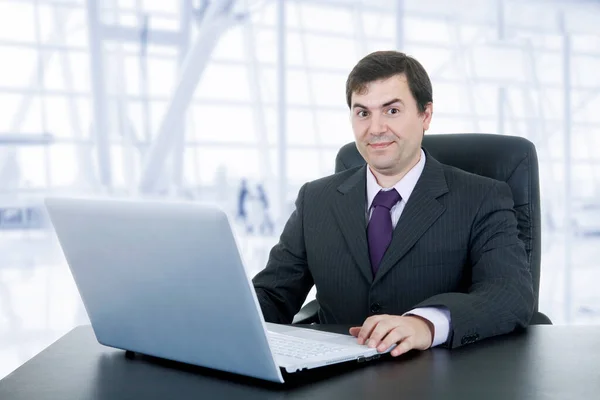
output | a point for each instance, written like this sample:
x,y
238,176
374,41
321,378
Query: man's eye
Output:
x,y
362,114
393,111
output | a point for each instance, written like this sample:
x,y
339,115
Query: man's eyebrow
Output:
x,y
387,103
392,102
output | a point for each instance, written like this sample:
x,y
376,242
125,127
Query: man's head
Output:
x,y
390,99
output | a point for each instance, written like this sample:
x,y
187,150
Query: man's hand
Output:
x,y
382,331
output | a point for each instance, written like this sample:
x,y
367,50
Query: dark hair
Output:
x,y
385,64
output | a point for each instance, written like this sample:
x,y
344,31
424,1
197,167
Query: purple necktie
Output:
x,y
379,230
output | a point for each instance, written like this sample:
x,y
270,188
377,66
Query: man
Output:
x,y
406,249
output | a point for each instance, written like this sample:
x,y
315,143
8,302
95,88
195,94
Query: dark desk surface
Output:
x,y
546,362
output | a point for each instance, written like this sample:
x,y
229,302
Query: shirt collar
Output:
x,y
404,186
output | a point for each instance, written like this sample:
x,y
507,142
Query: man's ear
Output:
x,y
427,115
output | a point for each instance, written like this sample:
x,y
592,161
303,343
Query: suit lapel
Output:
x,y
350,212
420,212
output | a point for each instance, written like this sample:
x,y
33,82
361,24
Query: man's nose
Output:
x,y
377,125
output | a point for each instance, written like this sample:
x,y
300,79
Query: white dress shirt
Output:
x,y
438,316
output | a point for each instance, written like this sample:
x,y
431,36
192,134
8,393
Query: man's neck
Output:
x,y
388,181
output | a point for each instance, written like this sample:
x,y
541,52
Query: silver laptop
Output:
x,y
166,279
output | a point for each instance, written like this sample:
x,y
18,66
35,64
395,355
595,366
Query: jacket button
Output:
x,y
375,308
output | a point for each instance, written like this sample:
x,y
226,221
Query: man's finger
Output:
x,y
396,335
355,330
368,327
381,330
403,347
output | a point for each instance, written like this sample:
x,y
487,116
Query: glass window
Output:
x,y
582,18
34,157
16,21
452,98
238,162
266,48
330,52
63,164
585,43
530,15
419,29
58,116
330,89
223,82
18,66
585,71
126,165
162,74
304,164
32,118
63,26
301,127
161,7
9,104
298,89
378,24
322,18
231,44
223,124
334,127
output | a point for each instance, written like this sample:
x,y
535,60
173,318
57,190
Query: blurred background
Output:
x,y
240,102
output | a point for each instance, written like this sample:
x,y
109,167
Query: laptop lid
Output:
x,y
164,279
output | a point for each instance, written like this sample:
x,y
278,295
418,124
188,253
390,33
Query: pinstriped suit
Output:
x,y
455,246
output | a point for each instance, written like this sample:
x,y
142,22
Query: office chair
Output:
x,y
506,158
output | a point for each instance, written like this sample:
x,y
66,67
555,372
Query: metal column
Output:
x,y
567,145
178,154
100,119
501,35
258,109
281,109
400,25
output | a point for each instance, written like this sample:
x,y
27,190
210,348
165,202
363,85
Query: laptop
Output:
x,y
166,279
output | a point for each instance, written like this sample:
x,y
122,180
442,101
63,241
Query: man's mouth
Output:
x,y
380,145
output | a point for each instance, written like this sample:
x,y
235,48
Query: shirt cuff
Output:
x,y
439,317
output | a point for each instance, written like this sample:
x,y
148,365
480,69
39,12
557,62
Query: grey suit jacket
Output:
x,y
455,246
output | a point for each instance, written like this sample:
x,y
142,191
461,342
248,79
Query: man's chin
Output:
x,y
386,168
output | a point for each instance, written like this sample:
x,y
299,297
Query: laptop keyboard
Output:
x,y
290,346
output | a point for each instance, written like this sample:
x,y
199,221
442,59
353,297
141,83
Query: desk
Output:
x,y
546,362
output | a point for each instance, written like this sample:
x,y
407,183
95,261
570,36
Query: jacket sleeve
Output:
x,y
283,285
500,296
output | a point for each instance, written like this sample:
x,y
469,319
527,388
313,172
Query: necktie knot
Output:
x,y
386,198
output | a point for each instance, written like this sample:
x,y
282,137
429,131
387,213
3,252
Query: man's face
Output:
x,y
387,126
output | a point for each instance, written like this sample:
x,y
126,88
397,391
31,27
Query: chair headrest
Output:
x,y
494,156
